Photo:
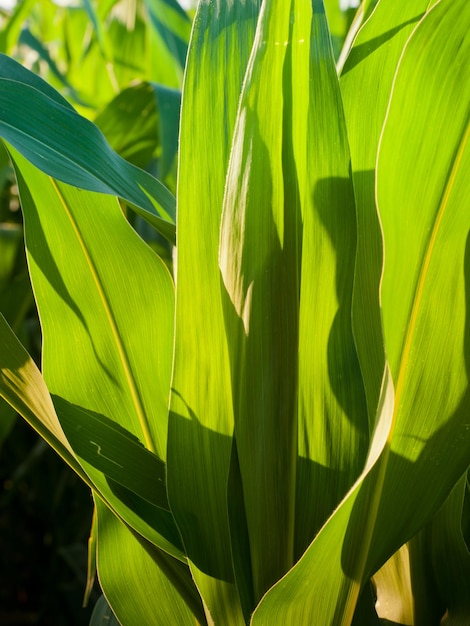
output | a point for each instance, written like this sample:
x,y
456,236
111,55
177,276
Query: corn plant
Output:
x,y
279,432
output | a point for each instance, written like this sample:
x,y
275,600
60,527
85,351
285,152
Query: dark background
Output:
x,y
45,518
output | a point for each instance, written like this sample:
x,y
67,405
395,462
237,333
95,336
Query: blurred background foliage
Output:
x,y
120,64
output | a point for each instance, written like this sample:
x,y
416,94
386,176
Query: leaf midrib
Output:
x,y
136,397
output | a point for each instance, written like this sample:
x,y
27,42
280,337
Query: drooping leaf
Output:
x,y
95,335
23,387
35,124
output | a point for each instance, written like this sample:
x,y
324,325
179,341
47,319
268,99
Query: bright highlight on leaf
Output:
x,y
278,432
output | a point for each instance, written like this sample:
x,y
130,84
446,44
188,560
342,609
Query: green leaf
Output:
x,y
288,190
341,546
339,21
113,450
201,420
425,282
35,124
260,271
141,119
366,81
173,28
12,70
10,33
28,39
11,236
106,305
23,387
104,357
332,416
451,557
422,429
162,592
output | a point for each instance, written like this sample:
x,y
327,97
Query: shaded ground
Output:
x,y
45,515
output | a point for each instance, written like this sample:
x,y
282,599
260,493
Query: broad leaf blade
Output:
x,y
332,415
23,387
425,283
172,28
450,556
35,124
426,431
259,263
105,359
201,420
97,306
159,595
143,122
366,81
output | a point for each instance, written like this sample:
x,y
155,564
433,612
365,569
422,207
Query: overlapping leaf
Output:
x,y
201,420
163,592
35,122
424,299
95,337
366,81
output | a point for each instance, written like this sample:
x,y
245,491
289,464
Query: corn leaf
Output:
x,y
23,387
393,588
154,599
35,124
426,254
201,420
101,458
450,557
332,416
92,335
260,271
366,81
141,119
172,28
102,614
423,426
286,195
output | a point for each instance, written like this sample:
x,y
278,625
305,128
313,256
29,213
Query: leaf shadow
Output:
x,y
362,51
407,481
39,249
